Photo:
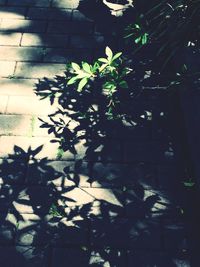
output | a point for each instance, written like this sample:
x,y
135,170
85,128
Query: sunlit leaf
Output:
x,y
109,53
75,66
81,84
117,55
104,60
144,38
137,40
86,67
72,80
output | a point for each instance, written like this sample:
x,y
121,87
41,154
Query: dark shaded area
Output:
x,y
138,218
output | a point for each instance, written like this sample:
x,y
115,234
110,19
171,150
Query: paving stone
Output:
x,y
15,125
17,87
44,40
7,68
33,199
39,3
18,146
49,13
11,39
12,13
21,53
175,235
55,55
141,202
146,152
111,174
3,103
72,4
110,232
74,257
125,233
108,257
29,105
6,197
32,230
12,171
50,172
91,41
70,27
157,258
59,173
7,233
72,231
16,25
38,70
78,16
111,196
167,177
32,256
106,151
77,197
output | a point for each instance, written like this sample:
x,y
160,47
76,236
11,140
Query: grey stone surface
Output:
x,y
71,4
49,13
10,39
70,27
21,25
21,53
20,87
3,103
36,70
7,68
39,3
12,12
44,40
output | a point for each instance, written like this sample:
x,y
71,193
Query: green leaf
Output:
x,y
86,67
104,60
109,85
109,53
82,75
137,26
72,80
117,55
75,66
144,38
102,67
137,40
189,184
81,84
123,84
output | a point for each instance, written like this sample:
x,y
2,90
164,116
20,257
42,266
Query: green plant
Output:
x,y
107,73
136,33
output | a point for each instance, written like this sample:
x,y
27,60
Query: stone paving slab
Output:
x,y
3,103
21,53
35,70
17,87
38,3
7,68
21,105
49,13
44,40
12,13
22,25
12,39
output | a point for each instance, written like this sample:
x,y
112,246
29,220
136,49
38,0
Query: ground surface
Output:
x,y
124,211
